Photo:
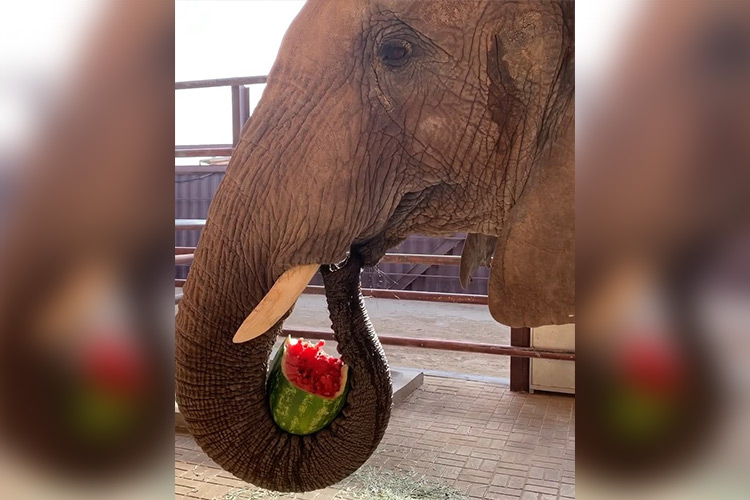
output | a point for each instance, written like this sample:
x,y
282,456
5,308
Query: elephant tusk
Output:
x,y
276,302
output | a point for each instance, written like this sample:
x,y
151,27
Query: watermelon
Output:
x,y
306,387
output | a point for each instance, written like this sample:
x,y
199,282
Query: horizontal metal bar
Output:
x,y
446,345
186,224
221,82
183,250
406,258
178,283
456,298
183,260
203,150
199,169
417,258
395,276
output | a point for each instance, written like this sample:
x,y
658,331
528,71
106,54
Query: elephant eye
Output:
x,y
395,53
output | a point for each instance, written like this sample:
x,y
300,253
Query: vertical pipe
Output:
x,y
244,105
236,123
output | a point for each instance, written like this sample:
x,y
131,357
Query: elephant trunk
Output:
x,y
291,197
220,385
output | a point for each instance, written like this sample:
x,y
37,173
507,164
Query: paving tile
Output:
x,y
500,480
492,495
477,491
211,490
488,465
540,489
450,472
516,482
502,490
552,474
536,472
475,476
568,490
543,482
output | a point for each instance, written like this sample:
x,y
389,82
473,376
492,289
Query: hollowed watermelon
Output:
x,y
306,387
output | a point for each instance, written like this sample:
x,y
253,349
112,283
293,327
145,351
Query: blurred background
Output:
x,y
86,224
86,318
663,248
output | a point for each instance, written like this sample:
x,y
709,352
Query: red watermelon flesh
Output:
x,y
308,367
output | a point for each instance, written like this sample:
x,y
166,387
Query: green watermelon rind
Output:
x,y
296,410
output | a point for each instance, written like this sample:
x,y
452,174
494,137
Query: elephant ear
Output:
x,y
477,252
532,280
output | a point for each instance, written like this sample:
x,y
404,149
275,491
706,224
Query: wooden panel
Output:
x,y
550,375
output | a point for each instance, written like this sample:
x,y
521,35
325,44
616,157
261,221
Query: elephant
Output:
x,y
380,119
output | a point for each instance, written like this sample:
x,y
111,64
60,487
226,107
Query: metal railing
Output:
x,y
240,114
184,257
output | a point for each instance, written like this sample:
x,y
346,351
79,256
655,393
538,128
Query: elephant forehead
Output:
x,y
460,14
439,21
325,28
450,12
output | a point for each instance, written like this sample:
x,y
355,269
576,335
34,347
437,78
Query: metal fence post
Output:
x,y
519,367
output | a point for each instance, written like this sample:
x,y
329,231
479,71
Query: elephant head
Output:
x,y
380,119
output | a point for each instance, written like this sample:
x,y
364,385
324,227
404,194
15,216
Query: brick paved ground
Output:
x,y
458,439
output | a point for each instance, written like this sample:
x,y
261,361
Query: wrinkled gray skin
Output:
x,y
380,119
